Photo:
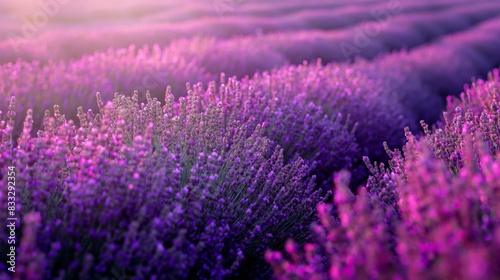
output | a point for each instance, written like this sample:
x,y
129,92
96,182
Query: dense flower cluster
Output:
x,y
291,122
475,112
166,192
340,88
433,214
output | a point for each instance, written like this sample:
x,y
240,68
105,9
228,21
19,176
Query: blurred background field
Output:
x,y
49,29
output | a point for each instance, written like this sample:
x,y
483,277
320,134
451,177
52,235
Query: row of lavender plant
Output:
x,y
388,82
402,88
126,70
164,192
266,51
74,83
440,69
432,214
388,33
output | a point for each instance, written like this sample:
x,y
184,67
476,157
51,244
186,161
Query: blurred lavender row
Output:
x,y
309,32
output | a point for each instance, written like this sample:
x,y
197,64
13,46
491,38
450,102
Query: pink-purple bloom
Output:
x,y
431,214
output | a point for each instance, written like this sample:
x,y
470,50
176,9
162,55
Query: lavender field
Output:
x,y
250,139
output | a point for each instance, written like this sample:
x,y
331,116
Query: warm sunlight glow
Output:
x,y
72,11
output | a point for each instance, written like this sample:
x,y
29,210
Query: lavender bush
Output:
x,y
474,112
448,228
165,192
291,122
431,215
